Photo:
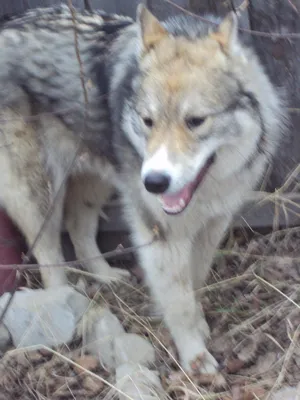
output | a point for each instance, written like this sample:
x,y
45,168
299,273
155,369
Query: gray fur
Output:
x,y
40,57
42,109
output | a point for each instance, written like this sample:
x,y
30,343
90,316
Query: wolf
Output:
x,y
178,116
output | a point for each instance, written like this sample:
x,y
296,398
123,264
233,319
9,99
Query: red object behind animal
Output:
x,y
10,252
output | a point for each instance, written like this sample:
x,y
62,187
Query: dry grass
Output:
x,y
252,302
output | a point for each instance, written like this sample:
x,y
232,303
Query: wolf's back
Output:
x,y
40,57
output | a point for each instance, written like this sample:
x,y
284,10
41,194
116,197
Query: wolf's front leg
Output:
x,y
167,266
204,247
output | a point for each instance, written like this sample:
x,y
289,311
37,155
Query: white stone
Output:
x,y
44,316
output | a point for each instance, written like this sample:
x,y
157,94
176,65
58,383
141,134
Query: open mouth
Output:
x,y
177,202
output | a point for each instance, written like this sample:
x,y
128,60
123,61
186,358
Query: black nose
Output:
x,y
157,182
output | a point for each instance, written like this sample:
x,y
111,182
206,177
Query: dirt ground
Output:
x,y
252,303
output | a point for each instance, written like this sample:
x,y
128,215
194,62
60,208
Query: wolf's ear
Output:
x,y
227,33
152,31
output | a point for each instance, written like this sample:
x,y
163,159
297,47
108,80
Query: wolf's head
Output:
x,y
198,115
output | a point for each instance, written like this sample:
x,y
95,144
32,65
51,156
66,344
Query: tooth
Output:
x,y
181,202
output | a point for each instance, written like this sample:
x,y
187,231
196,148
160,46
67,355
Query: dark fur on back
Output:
x,y
47,68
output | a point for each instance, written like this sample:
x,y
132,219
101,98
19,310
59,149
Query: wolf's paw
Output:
x,y
205,370
204,363
111,277
196,358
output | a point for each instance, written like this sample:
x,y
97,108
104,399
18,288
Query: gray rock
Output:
x,y
43,317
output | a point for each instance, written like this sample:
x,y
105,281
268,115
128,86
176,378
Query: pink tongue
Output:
x,y
179,199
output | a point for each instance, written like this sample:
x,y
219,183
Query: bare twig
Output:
x,y
84,89
110,254
293,6
270,35
277,290
11,297
287,359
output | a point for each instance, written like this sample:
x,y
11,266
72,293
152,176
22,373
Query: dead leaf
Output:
x,y
262,364
254,394
88,362
234,365
216,380
248,348
92,385
46,352
34,356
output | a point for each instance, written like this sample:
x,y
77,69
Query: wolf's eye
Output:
x,y
148,122
194,122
